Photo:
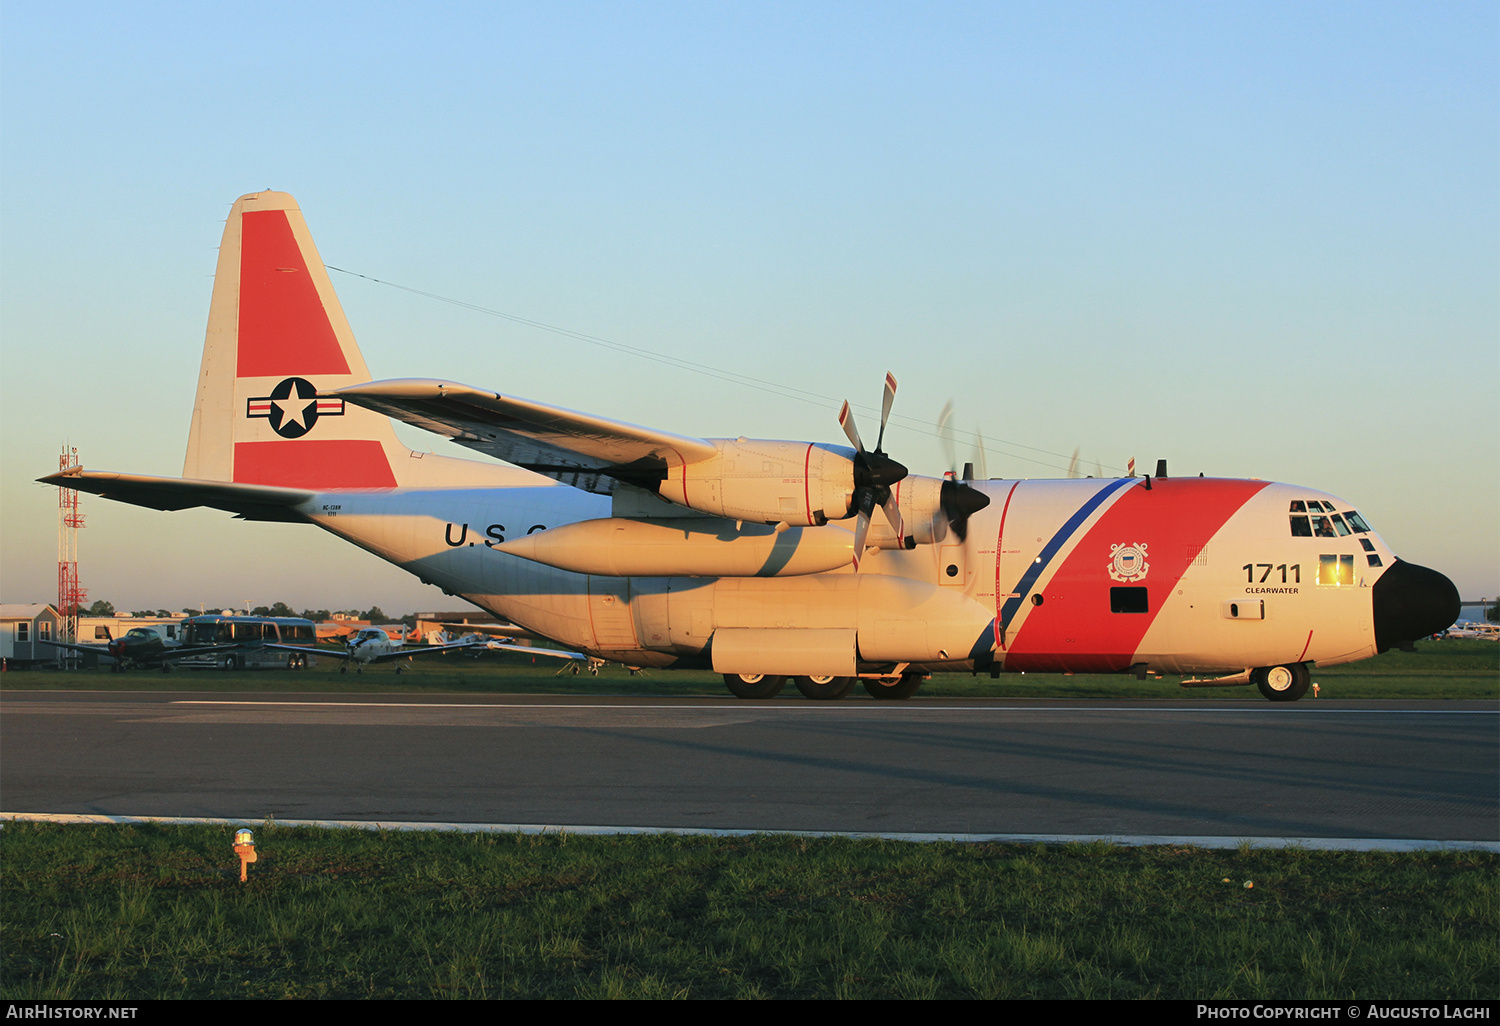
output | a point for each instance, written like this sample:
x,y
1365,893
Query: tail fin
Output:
x,y
277,337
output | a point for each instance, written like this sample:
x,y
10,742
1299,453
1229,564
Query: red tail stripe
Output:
x,y
283,328
321,466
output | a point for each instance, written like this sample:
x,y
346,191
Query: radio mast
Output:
x,y
69,520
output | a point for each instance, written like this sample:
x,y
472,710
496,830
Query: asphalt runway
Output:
x,y
1412,770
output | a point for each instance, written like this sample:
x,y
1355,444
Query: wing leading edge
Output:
x,y
575,448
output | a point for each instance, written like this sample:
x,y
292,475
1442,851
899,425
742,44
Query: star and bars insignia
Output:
x,y
293,407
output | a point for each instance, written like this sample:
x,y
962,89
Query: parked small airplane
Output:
x,y
141,647
371,645
762,559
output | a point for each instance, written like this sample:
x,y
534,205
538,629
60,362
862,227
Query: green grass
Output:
x,y
1437,670
155,911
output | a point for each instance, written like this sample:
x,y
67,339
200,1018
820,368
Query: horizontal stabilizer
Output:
x,y
253,502
579,449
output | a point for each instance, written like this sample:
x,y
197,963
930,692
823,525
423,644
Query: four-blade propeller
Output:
x,y
876,474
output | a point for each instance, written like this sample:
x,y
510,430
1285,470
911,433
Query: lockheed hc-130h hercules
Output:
x,y
764,559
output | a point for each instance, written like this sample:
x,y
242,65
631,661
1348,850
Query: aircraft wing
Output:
x,y
166,655
555,653
419,650
169,654
101,651
332,653
344,653
498,630
578,449
252,502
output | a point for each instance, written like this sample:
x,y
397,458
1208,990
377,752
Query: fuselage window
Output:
x,y
1339,525
1372,559
1336,569
1357,522
1367,545
1323,527
1298,506
1127,600
1301,528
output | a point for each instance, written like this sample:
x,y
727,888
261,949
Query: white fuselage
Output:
x,y
1030,588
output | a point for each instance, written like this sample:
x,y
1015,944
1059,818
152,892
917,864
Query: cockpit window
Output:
x,y
1321,525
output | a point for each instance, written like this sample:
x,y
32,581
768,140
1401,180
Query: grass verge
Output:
x,y
1437,670
157,911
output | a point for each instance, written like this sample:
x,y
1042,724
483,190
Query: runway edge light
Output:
x,y
244,847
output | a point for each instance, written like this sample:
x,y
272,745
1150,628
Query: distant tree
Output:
x,y
99,608
281,609
374,614
410,619
1492,614
318,615
261,611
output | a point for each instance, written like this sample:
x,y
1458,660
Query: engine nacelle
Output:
x,y
798,483
923,520
685,547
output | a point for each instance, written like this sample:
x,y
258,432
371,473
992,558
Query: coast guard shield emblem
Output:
x,y
1128,562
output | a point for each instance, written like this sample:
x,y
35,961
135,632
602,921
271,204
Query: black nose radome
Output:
x,y
1412,602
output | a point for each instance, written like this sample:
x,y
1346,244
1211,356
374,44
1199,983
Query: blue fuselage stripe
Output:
x,y
1058,540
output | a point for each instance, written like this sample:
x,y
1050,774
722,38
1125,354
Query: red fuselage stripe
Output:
x,y
1075,630
806,484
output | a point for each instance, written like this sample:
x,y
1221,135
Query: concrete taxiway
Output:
x,y
1416,770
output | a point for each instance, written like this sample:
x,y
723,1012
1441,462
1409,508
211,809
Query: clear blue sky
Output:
x,y
1258,240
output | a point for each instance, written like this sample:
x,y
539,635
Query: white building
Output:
x,y
23,626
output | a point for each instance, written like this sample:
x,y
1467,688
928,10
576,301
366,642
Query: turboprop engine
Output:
x,y
686,547
767,482
804,484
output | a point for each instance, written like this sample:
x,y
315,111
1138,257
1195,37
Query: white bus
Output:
x,y
248,635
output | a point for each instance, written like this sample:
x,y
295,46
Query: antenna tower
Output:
x,y
69,520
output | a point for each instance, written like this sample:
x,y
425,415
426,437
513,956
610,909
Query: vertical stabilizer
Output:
x,y
277,337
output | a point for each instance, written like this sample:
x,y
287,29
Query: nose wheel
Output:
x,y
1283,683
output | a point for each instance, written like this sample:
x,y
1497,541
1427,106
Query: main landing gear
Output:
x,y
1282,683
821,688
754,685
824,689
892,687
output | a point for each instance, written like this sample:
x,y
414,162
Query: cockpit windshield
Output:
x,y
1316,518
